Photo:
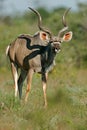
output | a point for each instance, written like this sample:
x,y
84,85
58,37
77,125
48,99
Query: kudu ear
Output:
x,y
67,37
43,36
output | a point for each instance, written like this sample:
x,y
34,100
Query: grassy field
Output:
x,y
67,103
66,91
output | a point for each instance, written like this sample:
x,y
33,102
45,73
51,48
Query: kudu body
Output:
x,y
33,54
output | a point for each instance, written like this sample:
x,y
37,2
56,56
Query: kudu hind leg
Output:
x,y
21,79
15,77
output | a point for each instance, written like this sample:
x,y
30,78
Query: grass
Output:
x,y
67,105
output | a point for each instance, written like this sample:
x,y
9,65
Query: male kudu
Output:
x,y
35,53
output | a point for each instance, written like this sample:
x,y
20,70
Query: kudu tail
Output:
x,y
7,50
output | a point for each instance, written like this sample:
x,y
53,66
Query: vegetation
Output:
x,y
67,83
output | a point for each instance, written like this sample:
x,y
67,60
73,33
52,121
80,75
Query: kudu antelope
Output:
x,y
35,53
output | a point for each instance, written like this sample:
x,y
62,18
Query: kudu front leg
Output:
x,y
29,80
44,83
15,77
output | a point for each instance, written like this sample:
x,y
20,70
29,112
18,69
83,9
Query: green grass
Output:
x,y
67,105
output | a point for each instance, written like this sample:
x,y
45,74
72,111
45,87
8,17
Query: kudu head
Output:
x,y
45,34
